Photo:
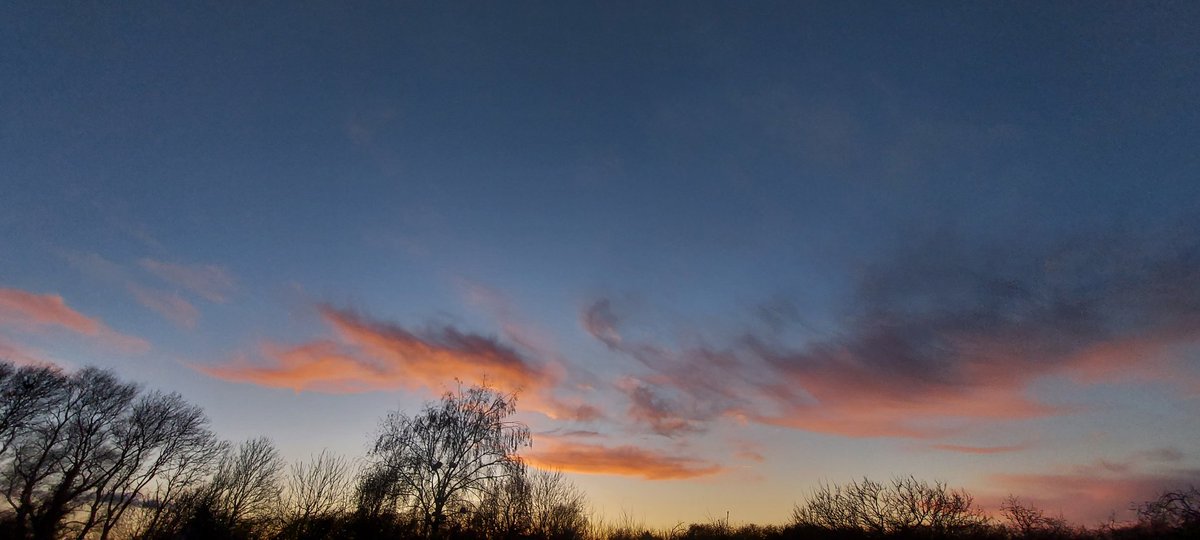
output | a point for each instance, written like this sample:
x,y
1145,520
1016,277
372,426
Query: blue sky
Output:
x,y
956,241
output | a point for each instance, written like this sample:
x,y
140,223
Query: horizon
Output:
x,y
723,252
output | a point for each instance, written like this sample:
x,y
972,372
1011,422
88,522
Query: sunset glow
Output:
x,y
723,253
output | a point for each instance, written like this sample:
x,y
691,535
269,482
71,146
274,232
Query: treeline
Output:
x,y
84,455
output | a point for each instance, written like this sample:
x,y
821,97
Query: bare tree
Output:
x,y
1173,510
25,392
903,505
536,504
65,451
558,508
246,486
315,490
149,442
377,491
857,506
450,454
504,510
1027,521
170,499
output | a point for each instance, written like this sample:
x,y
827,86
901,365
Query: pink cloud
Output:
x,y
1091,497
938,337
30,312
21,355
320,365
436,356
927,375
370,355
587,458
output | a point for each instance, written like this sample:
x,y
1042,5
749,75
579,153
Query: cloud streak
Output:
x,y
170,305
209,281
375,355
32,312
21,355
942,336
980,450
370,355
588,458
1094,492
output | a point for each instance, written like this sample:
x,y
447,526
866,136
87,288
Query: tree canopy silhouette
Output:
x,y
88,446
448,456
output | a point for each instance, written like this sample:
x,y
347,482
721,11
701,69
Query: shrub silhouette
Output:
x,y
904,506
439,464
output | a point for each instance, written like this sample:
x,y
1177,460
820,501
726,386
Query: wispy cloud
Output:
x,y
750,451
437,354
942,336
588,458
375,355
21,355
320,365
662,415
32,312
982,450
209,281
1092,493
170,305
369,355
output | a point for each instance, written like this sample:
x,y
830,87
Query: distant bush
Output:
x,y
1174,514
903,507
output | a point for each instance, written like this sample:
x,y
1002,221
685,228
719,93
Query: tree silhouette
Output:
x,y
315,492
65,451
903,506
558,509
1172,510
160,434
77,451
449,455
1028,521
246,484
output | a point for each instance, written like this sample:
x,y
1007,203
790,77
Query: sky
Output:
x,y
724,251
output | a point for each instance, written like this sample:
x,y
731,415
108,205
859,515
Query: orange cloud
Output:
x,y
937,336
370,355
30,312
925,375
844,400
436,356
620,461
322,366
209,281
